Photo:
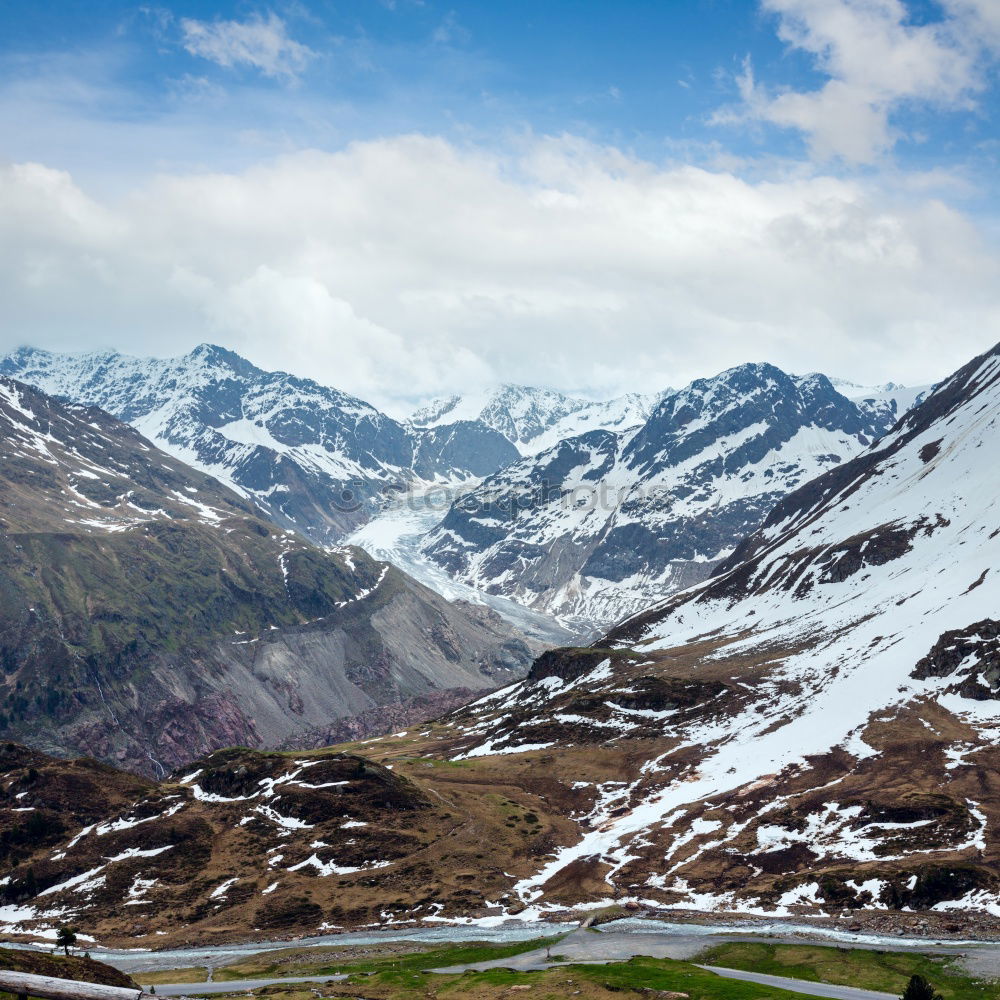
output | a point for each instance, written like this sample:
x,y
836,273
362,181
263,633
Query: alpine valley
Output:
x,y
562,514
810,727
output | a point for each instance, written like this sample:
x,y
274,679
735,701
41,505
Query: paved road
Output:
x,y
801,985
233,985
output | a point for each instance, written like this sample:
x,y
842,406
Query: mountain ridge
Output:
x,y
534,418
600,524
139,590
313,457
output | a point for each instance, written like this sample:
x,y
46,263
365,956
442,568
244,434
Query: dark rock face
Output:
x,y
976,649
566,663
604,523
149,615
466,445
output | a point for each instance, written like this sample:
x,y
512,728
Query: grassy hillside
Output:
x,y
84,970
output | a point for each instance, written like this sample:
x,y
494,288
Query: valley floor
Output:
x,y
629,956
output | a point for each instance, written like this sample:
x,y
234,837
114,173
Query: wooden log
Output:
x,y
24,984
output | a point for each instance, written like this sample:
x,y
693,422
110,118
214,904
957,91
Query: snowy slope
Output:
x,y
534,419
818,723
314,458
71,468
603,524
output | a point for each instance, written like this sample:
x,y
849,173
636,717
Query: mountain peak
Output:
x,y
222,356
534,418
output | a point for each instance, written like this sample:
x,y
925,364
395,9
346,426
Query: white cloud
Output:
x,y
877,61
262,43
409,266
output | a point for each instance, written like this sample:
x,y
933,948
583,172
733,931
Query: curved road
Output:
x,y
801,985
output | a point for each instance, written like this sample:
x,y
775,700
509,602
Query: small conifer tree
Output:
x,y
65,938
919,989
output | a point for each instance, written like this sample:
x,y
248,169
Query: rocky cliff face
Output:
x,y
150,614
602,524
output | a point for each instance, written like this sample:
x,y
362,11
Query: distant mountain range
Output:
x,y
150,614
602,524
579,510
313,458
534,419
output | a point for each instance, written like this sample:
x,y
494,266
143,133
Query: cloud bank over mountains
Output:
x,y
406,267
417,263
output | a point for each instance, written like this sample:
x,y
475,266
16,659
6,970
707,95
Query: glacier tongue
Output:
x,y
396,534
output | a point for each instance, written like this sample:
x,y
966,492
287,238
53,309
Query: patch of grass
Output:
x,y
193,974
884,971
588,982
275,964
641,973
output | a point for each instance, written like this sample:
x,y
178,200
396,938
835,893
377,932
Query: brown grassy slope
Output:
x,y
400,828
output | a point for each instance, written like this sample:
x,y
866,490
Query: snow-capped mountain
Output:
x,y
887,402
150,614
314,458
603,524
815,726
534,419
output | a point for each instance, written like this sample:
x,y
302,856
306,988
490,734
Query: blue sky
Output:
x,y
838,134
642,74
